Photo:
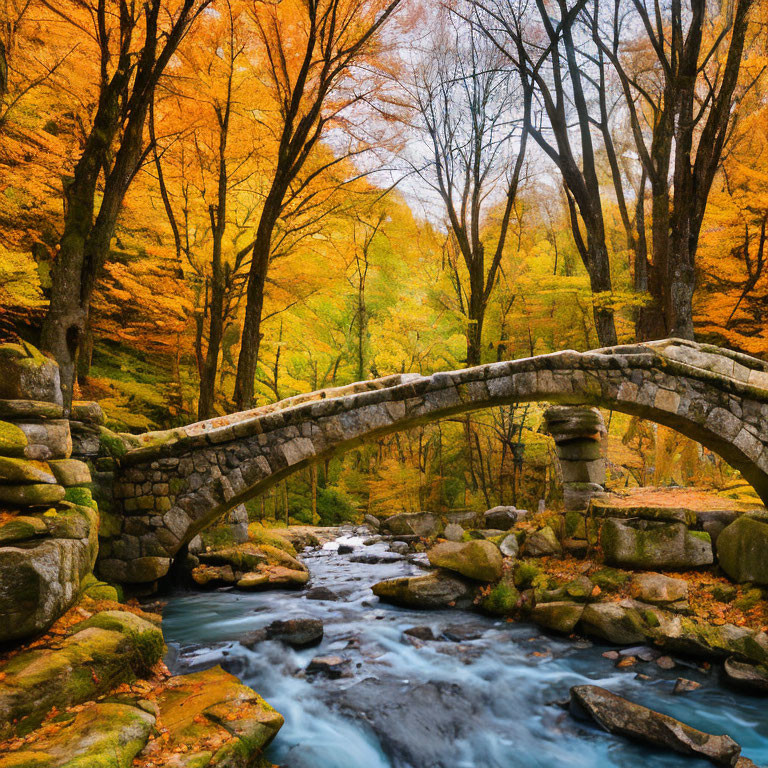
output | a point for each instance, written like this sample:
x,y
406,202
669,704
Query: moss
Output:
x,y
175,485
702,535
258,534
80,496
525,573
749,599
725,593
610,579
111,444
502,599
651,618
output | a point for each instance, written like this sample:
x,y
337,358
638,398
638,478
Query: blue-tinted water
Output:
x,y
489,702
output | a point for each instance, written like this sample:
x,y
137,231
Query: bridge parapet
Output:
x,y
179,481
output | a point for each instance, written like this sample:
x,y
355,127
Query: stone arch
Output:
x,y
181,481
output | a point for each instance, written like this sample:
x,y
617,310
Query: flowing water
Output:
x,y
486,699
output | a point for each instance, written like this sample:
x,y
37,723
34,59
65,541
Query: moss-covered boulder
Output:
x,y
613,622
649,545
86,664
480,560
609,579
742,549
439,589
658,589
422,524
101,735
21,528
542,542
561,616
39,580
28,374
211,719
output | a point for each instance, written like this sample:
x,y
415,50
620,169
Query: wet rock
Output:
x,y
298,633
503,599
560,616
213,575
642,652
453,532
650,545
330,666
683,685
503,518
665,662
621,716
439,589
750,677
612,655
101,734
400,547
345,549
479,560
422,524
461,633
542,542
321,593
742,549
371,558
420,633
416,724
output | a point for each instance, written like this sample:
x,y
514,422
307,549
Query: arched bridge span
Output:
x,y
182,480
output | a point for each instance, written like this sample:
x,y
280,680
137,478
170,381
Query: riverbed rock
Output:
x,y
658,589
298,633
750,677
509,545
650,545
372,521
107,734
502,517
479,560
439,589
542,542
422,524
742,549
210,718
103,652
612,622
616,714
561,616
213,575
330,666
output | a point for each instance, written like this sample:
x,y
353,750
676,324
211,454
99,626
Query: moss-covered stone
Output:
x,y
258,534
613,622
503,598
111,444
610,579
20,528
81,496
525,572
12,440
102,735
20,471
214,719
742,550
28,374
561,616
86,664
439,589
479,560
70,472
34,495
541,542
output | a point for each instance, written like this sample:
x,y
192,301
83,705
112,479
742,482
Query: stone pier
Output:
x,y
578,434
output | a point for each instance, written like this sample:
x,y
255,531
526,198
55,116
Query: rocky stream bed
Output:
x,y
393,687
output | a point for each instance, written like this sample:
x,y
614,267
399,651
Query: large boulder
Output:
x,y
106,650
542,542
28,374
658,589
742,549
619,715
108,734
439,589
40,580
478,559
423,524
650,545
613,622
560,616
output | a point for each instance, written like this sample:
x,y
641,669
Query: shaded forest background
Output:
x,y
437,217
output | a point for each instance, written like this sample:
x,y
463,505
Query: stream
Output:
x,y
486,698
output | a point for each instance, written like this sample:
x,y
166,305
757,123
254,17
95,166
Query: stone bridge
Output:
x,y
178,482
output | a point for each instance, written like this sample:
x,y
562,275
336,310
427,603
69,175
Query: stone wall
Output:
x,y
178,482
48,519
